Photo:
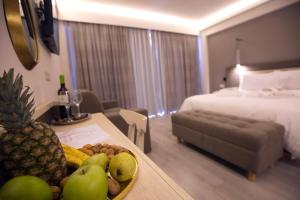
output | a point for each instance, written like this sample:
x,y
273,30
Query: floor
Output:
x,y
206,177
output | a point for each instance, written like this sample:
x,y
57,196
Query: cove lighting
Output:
x,y
121,11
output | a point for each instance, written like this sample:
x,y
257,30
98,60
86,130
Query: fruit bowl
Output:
x,y
113,180
75,159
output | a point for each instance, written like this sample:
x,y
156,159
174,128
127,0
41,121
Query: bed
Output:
x,y
261,95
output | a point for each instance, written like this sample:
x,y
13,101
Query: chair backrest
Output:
x,y
137,126
90,102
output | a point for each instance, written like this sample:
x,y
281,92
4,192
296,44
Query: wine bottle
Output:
x,y
63,98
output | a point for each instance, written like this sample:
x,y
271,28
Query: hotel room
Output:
x,y
131,99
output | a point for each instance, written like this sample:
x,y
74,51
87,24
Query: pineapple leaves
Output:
x,y
25,96
29,107
18,85
16,103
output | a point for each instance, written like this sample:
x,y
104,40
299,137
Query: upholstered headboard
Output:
x,y
233,74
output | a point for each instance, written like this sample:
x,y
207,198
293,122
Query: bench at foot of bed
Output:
x,y
250,144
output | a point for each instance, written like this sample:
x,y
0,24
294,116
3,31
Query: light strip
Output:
x,y
79,5
113,10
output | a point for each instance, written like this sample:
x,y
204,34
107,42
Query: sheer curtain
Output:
x,y
147,73
166,68
137,67
103,62
177,56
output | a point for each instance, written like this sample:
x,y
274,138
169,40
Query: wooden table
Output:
x,y
152,183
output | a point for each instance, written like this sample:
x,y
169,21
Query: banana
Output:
x,y
74,157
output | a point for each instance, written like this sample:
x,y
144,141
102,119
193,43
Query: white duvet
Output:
x,y
282,107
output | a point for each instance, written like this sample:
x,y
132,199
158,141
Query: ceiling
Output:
x,y
191,9
183,16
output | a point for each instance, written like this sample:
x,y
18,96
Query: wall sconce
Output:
x,y
238,67
237,52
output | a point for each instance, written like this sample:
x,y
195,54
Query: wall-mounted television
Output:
x,y
48,24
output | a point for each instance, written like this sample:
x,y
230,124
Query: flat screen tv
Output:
x,y
48,25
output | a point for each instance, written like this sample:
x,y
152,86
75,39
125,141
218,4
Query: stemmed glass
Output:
x,y
76,99
68,107
64,106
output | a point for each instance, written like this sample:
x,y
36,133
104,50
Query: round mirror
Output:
x,y
21,30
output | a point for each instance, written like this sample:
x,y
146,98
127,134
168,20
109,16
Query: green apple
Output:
x,y
26,188
122,166
86,183
98,159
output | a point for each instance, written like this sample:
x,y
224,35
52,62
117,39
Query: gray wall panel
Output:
x,y
270,39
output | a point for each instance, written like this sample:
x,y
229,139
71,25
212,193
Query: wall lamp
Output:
x,y
239,68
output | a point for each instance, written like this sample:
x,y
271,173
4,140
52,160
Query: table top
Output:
x,y
152,183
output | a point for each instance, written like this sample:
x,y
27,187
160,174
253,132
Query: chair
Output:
x,y
137,126
90,102
111,110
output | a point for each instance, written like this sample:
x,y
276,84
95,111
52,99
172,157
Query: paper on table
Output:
x,y
78,137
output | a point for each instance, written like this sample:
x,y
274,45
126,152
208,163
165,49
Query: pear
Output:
x,y
122,167
98,159
86,183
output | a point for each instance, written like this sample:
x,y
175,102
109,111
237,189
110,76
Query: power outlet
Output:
x,y
47,76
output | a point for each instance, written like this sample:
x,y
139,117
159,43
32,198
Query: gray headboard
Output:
x,y
232,76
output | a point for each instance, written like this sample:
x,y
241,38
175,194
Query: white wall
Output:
x,y
51,64
246,16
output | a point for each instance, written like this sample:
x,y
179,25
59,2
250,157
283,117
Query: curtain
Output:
x,y
103,61
147,73
177,56
150,69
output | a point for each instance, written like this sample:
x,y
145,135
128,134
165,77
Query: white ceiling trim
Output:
x,y
96,12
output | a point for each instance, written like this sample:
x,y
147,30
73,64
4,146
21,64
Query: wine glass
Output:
x,y
76,99
68,107
64,104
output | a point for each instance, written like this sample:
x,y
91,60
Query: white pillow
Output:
x,y
227,92
292,79
289,93
261,81
295,92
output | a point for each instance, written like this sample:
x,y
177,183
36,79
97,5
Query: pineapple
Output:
x,y
27,147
